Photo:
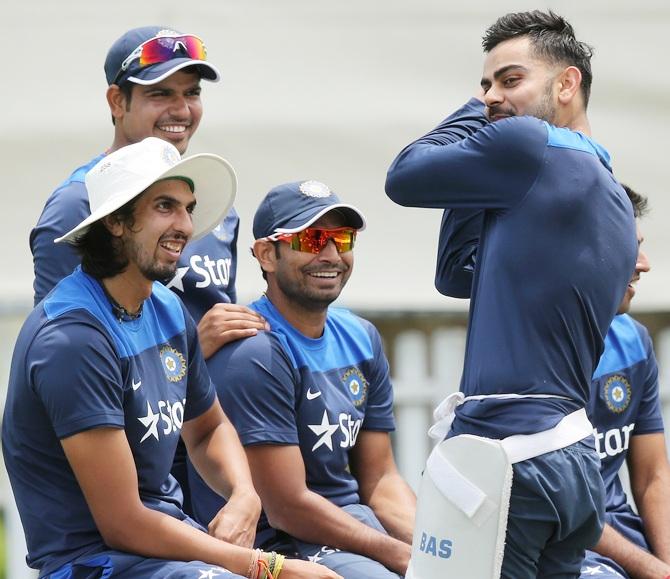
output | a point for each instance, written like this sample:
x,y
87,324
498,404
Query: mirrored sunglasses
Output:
x,y
164,48
313,239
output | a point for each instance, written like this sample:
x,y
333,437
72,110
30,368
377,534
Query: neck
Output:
x,y
575,121
118,143
310,322
127,291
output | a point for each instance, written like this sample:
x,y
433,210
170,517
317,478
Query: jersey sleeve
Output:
x,y
649,418
76,373
467,162
256,384
200,393
460,232
65,209
379,408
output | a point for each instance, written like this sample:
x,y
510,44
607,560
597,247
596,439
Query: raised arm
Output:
x,y
468,162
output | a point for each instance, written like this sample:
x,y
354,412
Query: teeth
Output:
x,y
325,274
171,246
173,128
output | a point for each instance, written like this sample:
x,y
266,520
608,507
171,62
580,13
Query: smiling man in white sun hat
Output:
x,y
107,374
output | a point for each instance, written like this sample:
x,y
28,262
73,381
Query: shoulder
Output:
x,y
627,343
629,332
73,189
264,349
353,330
348,320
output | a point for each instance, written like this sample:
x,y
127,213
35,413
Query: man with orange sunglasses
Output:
x,y
312,400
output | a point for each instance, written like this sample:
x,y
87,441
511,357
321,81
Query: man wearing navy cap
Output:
x,y
312,400
154,90
153,76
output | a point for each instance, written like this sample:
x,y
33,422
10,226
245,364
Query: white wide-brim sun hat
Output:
x,y
127,172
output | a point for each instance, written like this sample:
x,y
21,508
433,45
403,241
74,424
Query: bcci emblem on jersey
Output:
x,y
617,393
174,364
357,385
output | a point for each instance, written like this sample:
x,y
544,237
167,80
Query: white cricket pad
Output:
x,y
462,509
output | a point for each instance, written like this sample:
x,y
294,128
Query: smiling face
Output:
x,y
516,82
161,227
170,110
641,266
311,281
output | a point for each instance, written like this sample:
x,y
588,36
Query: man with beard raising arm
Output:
x,y
555,254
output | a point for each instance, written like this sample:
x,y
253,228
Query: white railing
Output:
x,y
426,364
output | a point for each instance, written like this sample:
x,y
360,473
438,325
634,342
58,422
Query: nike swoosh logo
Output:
x,y
312,395
137,384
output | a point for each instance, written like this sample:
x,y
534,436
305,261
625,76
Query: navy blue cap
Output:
x,y
292,207
153,73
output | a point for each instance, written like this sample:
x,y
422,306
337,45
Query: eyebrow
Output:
x,y
501,72
174,200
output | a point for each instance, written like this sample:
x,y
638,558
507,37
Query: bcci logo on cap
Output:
x,y
314,189
170,155
617,393
357,385
174,364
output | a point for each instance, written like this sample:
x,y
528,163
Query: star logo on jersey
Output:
x,y
324,431
150,422
357,385
210,573
174,364
177,282
617,393
595,570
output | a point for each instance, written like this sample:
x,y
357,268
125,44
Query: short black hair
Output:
x,y
102,253
552,37
639,201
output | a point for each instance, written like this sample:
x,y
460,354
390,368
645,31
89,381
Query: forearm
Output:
x,y
394,504
636,561
221,461
314,519
154,534
421,162
654,508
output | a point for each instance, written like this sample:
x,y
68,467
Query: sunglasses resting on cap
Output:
x,y
164,48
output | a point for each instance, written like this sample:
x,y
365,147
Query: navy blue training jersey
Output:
x,y
206,270
281,387
625,403
77,367
556,251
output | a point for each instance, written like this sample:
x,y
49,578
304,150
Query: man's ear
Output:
x,y
113,224
116,99
265,253
570,82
